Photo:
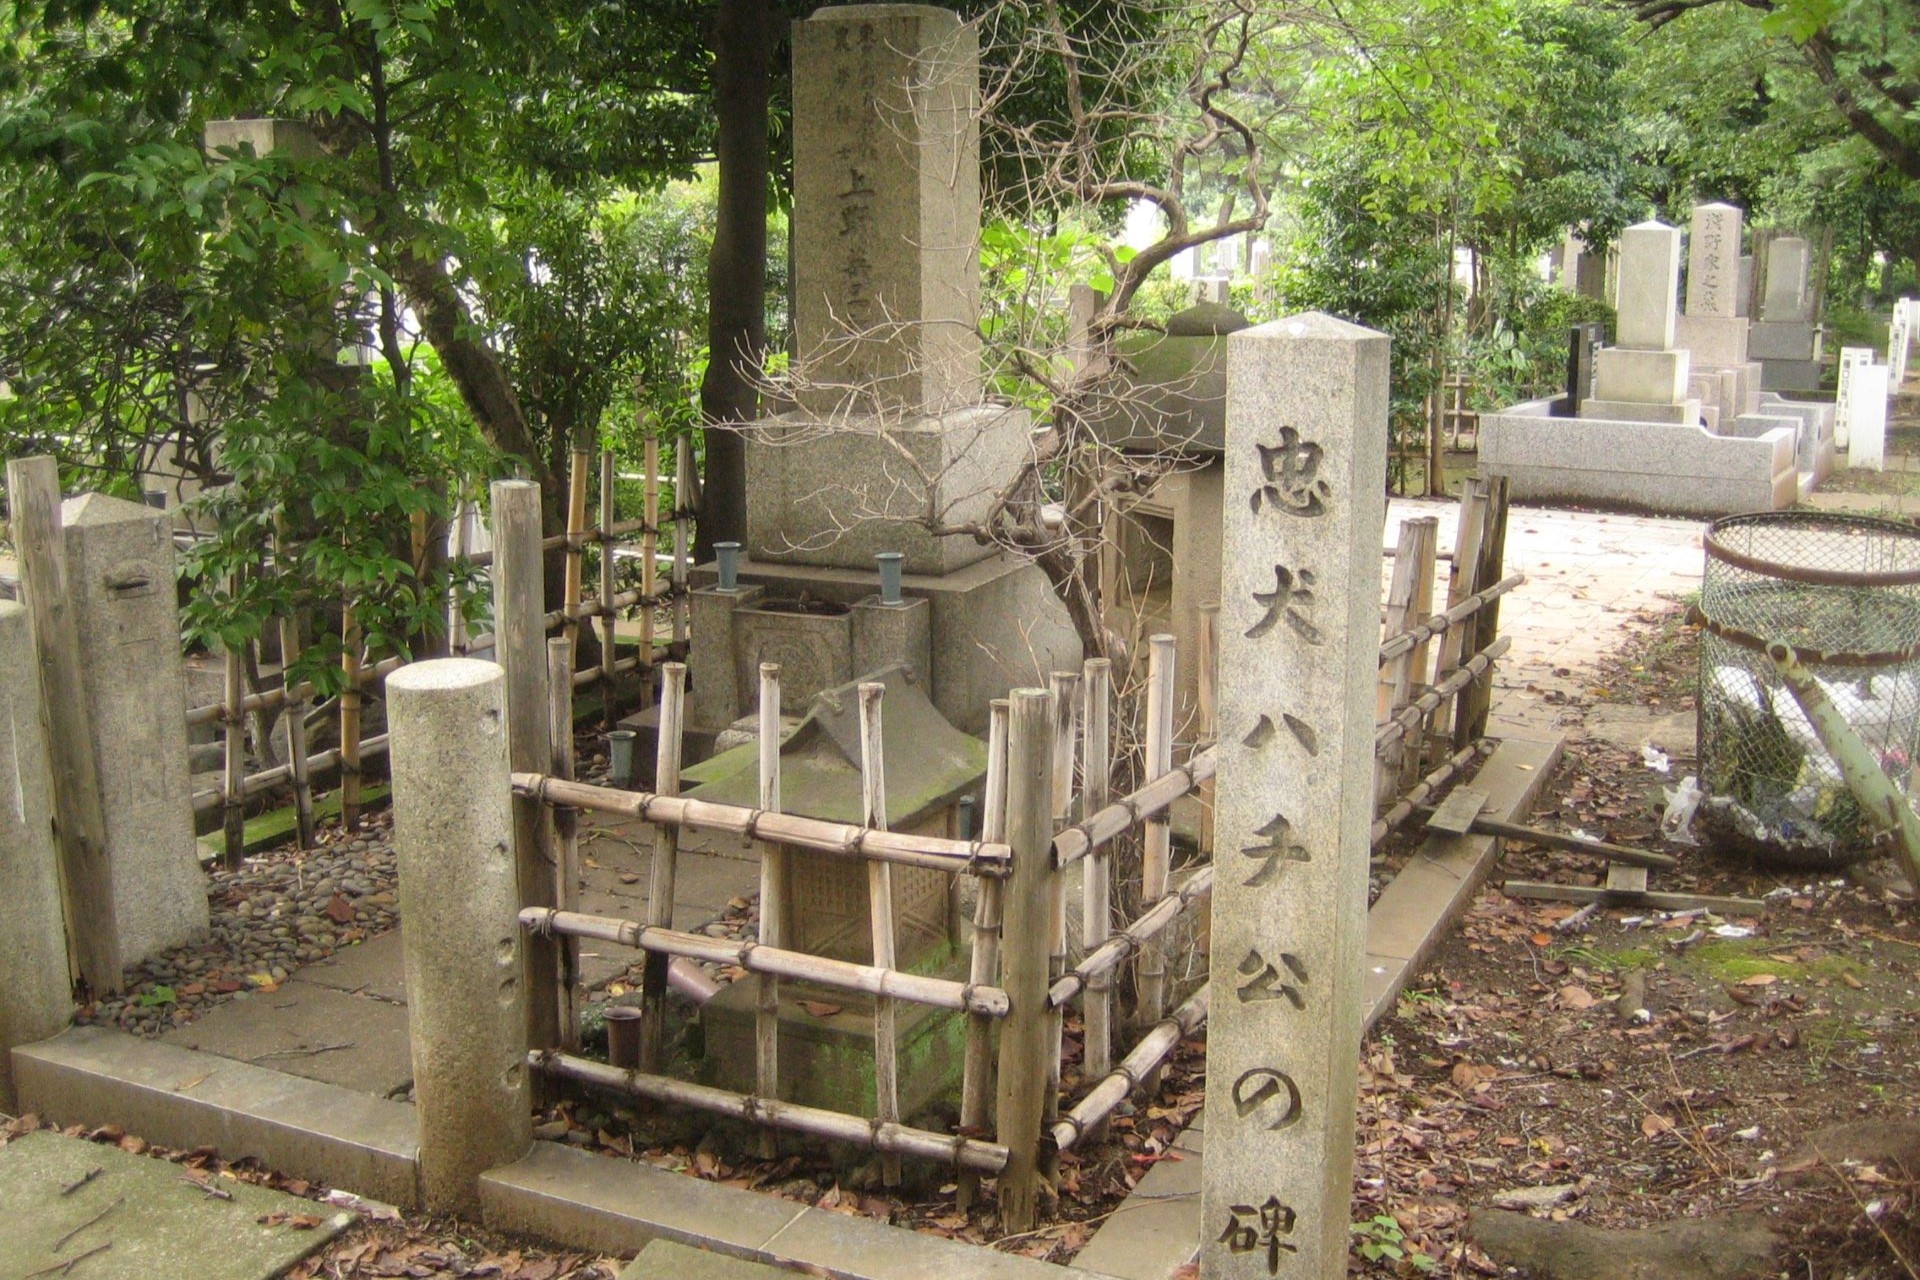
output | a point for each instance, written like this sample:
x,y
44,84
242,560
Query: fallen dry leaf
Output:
x,y
1654,1124
1576,997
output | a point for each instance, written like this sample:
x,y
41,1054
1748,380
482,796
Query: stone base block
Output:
x,y
1712,340
827,1061
1640,377
1672,469
832,493
991,626
1684,413
1775,340
1790,375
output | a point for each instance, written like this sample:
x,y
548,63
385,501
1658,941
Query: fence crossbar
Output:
x,y
873,1135
844,975
1394,646
1077,841
1133,1070
1125,944
958,857
1453,682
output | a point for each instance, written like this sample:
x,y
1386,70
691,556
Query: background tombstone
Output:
x,y
1712,331
1867,407
1850,359
1643,376
1306,446
1785,340
120,571
34,987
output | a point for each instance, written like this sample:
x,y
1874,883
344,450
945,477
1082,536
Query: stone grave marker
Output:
x,y
1713,261
1899,339
1788,258
1867,406
1306,446
1643,377
1851,358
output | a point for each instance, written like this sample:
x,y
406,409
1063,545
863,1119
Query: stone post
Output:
x,y
1867,411
1713,261
1306,447
35,992
120,573
466,993
1788,258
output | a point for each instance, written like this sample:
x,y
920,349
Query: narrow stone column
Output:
x,y
35,990
466,992
1306,448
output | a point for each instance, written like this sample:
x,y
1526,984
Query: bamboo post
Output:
x,y
1096,898
457,609
1157,856
649,561
233,720
609,704
873,793
1418,673
1476,700
296,717
666,854
1394,684
33,504
576,551
976,1075
1462,581
1063,688
773,901
520,645
1208,690
683,488
1020,1097
566,838
350,700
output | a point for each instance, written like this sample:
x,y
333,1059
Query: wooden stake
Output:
x,y
1062,691
350,699
684,482
1157,856
456,609
666,853
1020,1096
576,550
33,502
609,702
233,718
976,1076
1418,670
520,646
649,563
1476,701
296,717
873,792
566,838
773,900
1394,686
1096,899
1462,582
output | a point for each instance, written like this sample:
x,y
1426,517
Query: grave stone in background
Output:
x,y
120,571
1899,339
1720,376
1306,447
1584,342
1851,358
1643,378
1867,406
1785,340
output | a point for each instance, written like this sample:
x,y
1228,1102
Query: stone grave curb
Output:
x,y
184,1098
617,1206
1157,1229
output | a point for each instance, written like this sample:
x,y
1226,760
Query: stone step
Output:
x,y
666,1260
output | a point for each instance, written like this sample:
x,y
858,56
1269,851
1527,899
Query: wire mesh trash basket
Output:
x,y
1844,591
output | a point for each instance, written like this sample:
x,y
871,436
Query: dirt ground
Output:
x,y
1514,1064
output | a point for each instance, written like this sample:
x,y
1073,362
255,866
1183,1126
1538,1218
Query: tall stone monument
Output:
x,y
1844,389
1306,447
893,428
1712,331
1643,377
1786,338
120,571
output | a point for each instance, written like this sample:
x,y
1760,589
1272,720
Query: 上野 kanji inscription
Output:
x,y
1306,446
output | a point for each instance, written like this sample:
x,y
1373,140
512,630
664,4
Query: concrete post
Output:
x,y
35,992
466,990
1306,447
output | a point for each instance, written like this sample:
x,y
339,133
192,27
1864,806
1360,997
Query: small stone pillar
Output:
x,y
1306,448
35,991
121,574
466,992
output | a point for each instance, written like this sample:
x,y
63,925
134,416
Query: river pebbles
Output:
x,y
272,915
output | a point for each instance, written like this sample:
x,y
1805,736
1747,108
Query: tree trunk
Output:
x,y
737,267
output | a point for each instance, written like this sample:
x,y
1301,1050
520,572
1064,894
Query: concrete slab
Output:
x,y
138,1218
666,1260
311,1031
1157,1230
180,1098
376,968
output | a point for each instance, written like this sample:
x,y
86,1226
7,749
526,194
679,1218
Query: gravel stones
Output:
x,y
270,916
